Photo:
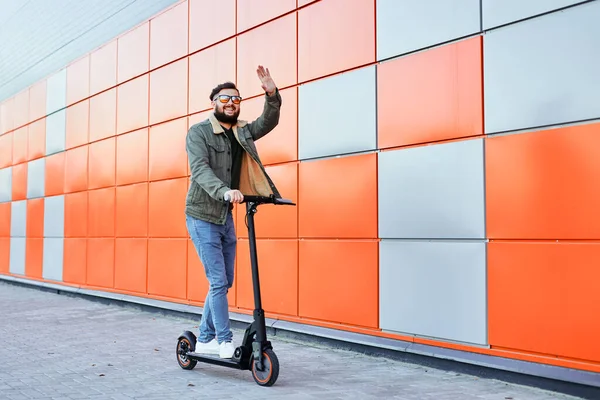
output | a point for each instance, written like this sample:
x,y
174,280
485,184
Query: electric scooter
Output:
x,y
256,352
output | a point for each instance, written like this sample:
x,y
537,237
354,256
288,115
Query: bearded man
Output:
x,y
224,164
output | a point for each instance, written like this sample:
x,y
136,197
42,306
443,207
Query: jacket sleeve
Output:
x,y
202,173
269,118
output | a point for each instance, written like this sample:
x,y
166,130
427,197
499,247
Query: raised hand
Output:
x,y
265,79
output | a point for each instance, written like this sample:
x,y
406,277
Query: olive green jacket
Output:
x,y
209,156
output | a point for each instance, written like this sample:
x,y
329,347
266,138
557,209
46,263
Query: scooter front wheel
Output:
x,y
184,346
270,372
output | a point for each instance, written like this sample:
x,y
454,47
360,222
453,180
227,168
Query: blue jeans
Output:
x,y
215,245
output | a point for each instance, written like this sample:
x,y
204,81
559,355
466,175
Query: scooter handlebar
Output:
x,y
263,199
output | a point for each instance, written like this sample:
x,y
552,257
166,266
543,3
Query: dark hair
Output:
x,y
226,85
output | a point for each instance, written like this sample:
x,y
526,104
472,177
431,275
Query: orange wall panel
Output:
x,y
538,184
100,262
131,258
132,157
132,104
76,215
207,31
34,257
256,48
320,182
103,115
169,35
254,12
37,100
6,150
21,109
169,92
19,182
102,164
55,174
167,265
78,80
6,115
278,275
133,51
36,142
281,144
132,211
103,68
20,145
76,169
4,255
324,49
5,214
167,154
75,260
101,212
209,68
166,202
343,272
433,95
549,291
35,218
77,124
276,221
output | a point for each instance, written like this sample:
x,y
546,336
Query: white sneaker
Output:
x,y
227,349
211,347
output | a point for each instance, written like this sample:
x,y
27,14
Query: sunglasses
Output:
x,y
224,98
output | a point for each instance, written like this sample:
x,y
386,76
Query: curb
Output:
x,y
559,379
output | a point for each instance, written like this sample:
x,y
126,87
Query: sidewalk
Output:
x,y
61,347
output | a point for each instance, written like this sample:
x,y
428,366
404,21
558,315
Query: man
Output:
x,y
224,161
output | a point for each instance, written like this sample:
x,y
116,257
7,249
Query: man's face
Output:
x,y
224,105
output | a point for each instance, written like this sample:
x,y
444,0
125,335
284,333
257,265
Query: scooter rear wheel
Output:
x,y
184,346
270,373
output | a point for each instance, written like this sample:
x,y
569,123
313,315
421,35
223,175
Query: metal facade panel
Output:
x,y
344,125
54,216
5,184
407,25
18,247
56,132
434,289
500,12
18,219
40,37
543,71
36,173
53,256
433,192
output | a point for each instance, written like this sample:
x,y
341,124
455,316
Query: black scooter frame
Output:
x,y
250,355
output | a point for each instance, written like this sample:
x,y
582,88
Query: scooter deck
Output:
x,y
215,359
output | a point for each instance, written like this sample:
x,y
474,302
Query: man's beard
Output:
x,y
228,119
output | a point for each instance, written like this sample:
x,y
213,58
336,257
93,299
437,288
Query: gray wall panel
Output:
x,y
5,184
344,125
53,259
36,173
435,289
54,216
18,219
56,132
499,12
408,25
17,255
543,71
40,37
432,191
56,91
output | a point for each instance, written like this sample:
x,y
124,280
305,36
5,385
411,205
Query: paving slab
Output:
x,y
54,346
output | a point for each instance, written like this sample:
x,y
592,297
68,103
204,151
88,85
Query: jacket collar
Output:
x,y
216,126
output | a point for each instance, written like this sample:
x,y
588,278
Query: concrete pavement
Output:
x,y
61,347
